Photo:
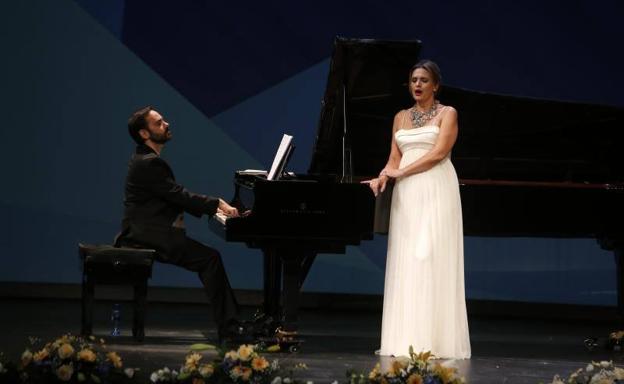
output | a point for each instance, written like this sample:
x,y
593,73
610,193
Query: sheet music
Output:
x,y
258,172
282,151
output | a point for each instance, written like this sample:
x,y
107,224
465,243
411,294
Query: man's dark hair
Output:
x,y
138,121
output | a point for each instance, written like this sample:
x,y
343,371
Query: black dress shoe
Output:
x,y
261,327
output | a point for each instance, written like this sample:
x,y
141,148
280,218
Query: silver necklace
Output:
x,y
419,119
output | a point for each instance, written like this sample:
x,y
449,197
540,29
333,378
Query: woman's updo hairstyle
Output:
x,y
430,67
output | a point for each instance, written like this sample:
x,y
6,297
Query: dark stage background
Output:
x,y
231,77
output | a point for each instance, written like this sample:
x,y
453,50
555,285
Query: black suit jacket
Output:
x,y
154,206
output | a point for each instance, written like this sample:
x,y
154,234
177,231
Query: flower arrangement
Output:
x,y
247,366
68,359
603,372
416,369
241,366
615,340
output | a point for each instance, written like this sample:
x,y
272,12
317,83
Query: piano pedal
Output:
x,y
258,315
611,344
281,341
283,335
590,343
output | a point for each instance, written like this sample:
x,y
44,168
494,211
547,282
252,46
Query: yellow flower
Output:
x,y
114,358
245,351
206,370
246,373
414,378
617,335
87,355
259,363
374,373
423,356
27,357
232,355
65,372
619,373
41,355
65,351
396,367
65,339
192,360
237,372
446,374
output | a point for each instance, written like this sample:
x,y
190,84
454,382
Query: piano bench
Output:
x,y
105,264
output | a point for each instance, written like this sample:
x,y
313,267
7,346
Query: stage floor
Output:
x,y
505,350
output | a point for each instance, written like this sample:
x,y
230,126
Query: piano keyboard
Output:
x,y
220,217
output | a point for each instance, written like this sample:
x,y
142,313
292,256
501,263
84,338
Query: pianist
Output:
x,y
154,207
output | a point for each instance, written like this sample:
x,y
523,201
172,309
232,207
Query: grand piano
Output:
x,y
527,167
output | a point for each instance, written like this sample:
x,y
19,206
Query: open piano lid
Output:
x,y
500,137
374,74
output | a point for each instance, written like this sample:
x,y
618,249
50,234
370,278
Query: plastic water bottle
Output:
x,y
116,320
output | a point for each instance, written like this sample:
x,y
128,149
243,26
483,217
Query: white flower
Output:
x,y
154,377
590,368
286,380
129,372
557,380
335,382
275,366
232,355
277,380
602,377
605,364
166,370
312,382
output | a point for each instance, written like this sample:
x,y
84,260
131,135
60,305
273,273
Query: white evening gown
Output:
x,y
424,300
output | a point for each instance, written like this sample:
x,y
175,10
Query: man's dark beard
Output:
x,y
160,138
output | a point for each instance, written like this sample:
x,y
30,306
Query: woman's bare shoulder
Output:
x,y
402,113
446,108
447,112
399,118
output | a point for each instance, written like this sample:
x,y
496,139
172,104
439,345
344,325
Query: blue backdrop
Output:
x,y
231,77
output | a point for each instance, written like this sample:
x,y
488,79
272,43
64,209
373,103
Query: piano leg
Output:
x,y
296,264
272,286
285,270
617,246
292,286
619,265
